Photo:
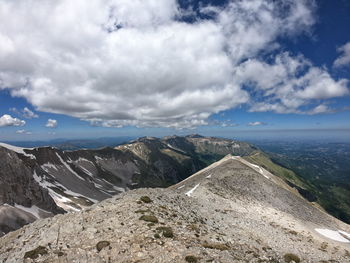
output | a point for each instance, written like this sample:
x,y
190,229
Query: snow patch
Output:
x,y
189,193
34,210
260,170
62,201
48,165
344,234
182,186
47,185
209,176
334,235
18,150
84,160
68,167
86,171
174,148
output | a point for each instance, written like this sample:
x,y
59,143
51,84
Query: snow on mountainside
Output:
x,y
73,180
227,212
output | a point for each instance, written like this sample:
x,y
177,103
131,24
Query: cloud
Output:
x,y
320,109
256,123
344,58
138,63
8,120
24,132
26,113
288,84
51,123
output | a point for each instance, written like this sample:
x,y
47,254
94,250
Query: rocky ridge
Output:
x,y
231,211
41,182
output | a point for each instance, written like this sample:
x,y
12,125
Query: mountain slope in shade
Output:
x,y
22,200
231,211
70,180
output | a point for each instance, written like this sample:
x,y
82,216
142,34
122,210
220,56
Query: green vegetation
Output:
x,y
146,199
142,211
322,167
167,231
218,246
191,259
291,258
264,161
149,218
33,254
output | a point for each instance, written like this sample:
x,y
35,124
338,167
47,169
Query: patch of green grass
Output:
x,y
146,199
290,257
263,160
33,254
191,259
142,211
167,231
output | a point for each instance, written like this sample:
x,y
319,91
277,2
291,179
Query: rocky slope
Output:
x,y
22,200
39,182
231,211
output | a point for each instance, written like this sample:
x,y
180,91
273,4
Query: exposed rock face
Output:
x,y
232,211
40,179
19,189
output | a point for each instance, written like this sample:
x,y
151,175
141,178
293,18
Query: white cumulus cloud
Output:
x,y
118,62
288,83
8,120
51,123
344,58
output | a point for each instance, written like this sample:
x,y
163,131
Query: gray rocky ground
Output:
x,y
231,211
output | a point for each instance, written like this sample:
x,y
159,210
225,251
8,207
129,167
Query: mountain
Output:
x,y
40,182
21,197
230,211
73,144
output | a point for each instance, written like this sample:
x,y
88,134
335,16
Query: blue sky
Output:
x,y
212,67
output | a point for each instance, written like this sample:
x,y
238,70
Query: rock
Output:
x,y
101,245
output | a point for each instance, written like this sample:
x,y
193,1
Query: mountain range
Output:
x,y
219,200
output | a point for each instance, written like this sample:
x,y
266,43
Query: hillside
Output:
x,y
323,165
232,211
65,181
62,181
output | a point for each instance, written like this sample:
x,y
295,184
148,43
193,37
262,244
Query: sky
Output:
x,y
88,69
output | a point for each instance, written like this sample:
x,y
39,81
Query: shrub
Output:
x,y
191,259
146,199
149,218
33,254
167,231
291,258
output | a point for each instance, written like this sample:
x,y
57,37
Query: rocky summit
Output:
x,y
231,211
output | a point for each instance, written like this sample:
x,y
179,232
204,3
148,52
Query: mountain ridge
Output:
x,y
230,211
75,179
